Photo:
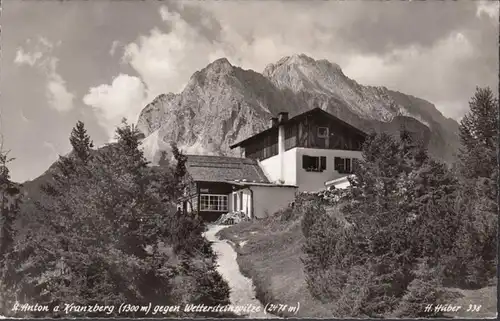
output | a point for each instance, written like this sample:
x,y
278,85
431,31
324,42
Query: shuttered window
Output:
x,y
348,165
343,165
313,163
322,165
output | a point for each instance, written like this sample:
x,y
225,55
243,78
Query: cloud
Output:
x,y
165,61
46,43
394,68
451,51
114,46
125,97
58,96
490,8
416,71
26,58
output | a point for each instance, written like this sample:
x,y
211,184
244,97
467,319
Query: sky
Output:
x,y
100,61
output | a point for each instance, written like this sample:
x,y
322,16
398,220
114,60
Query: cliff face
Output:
x,y
222,104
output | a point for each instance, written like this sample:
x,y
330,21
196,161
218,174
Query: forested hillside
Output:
x,y
410,232
103,229
414,226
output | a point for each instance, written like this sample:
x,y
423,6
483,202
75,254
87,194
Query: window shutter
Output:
x,y
337,163
304,161
322,165
348,165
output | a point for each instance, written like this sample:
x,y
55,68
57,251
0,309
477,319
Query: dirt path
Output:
x,y
242,290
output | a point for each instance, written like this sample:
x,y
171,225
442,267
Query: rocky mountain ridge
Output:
x,y
222,104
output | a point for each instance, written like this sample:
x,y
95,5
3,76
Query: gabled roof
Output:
x,y
224,169
299,117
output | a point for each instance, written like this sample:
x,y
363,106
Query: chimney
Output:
x,y
282,117
273,122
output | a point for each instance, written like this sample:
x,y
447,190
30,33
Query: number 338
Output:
x,y
473,308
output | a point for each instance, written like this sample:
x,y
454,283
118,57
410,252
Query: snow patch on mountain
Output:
x,y
152,146
198,148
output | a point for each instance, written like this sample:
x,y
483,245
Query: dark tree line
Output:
x,y
104,231
414,226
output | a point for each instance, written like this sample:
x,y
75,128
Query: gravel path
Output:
x,y
242,290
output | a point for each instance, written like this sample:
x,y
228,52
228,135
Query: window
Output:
x,y
313,163
339,164
348,165
343,165
323,132
322,163
241,201
235,202
215,203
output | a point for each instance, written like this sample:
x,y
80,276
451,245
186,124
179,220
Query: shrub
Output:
x,y
106,231
424,291
311,211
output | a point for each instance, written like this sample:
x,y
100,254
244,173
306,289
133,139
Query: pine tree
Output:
x,y
10,198
81,142
104,233
478,133
128,137
478,174
377,241
400,211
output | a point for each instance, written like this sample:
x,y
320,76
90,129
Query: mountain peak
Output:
x,y
220,65
302,61
217,68
222,104
300,58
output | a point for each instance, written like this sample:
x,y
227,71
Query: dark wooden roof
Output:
x,y
297,118
224,169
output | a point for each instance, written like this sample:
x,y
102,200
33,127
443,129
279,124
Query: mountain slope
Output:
x,y
219,105
222,104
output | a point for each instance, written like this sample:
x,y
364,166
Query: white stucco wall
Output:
x,y
268,200
315,181
272,168
247,202
294,174
230,203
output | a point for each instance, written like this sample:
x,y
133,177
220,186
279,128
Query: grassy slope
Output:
x,y
270,255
